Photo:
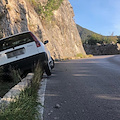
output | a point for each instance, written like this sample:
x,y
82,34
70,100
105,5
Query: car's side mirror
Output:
x,y
45,42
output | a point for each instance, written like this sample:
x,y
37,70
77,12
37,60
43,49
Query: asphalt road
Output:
x,y
85,89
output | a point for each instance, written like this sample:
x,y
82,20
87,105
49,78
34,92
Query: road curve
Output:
x,y
84,89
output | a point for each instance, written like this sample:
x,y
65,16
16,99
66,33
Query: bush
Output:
x,y
24,108
46,11
80,55
9,75
95,38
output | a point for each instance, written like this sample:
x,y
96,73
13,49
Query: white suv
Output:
x,y
23,50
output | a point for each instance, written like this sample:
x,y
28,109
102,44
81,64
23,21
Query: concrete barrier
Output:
x,y
16,90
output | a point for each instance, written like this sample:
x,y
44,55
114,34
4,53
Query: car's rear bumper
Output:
x,y
28,62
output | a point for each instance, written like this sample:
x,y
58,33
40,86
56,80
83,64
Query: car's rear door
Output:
x,y
17,47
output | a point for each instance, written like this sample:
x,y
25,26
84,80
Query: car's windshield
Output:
x,y
14,41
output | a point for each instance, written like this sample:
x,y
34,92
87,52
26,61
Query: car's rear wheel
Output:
x,y
48,69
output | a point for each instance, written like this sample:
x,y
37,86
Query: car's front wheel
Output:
x,y
48,69
52,63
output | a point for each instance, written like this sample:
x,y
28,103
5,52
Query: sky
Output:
x,y
100,16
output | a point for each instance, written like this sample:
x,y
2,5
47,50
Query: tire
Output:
x,y
48,69
53,63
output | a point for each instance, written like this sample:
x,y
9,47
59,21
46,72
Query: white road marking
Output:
x,y
41,97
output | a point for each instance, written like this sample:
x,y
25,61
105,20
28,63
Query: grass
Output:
x,y
1,35
5,87
80,55
8,80
77,56
24,108
46,11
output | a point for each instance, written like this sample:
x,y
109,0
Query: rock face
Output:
x,y
109,49
18,16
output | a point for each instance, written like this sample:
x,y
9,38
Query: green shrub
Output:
x,y
9,75
1,36
8,80
80,55
24,107
46,11
95,38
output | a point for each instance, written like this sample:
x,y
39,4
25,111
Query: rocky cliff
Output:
x,y
64,40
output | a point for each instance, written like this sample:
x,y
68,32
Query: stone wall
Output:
x,y
109,49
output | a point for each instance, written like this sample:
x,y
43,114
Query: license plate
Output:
x,y
15,53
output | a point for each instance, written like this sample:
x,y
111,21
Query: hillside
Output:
x,y
47,20
90,37
97,44
84,32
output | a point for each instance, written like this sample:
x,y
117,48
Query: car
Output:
x,y
23,51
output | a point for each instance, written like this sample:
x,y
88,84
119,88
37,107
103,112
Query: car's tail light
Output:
x,y
35,39
37,43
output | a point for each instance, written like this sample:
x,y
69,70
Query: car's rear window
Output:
x,y
14,41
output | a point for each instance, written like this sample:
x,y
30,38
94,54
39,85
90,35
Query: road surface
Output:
x,y
85,89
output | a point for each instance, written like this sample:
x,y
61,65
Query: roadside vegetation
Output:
x,y
1,35
8,79
80,55
77,56
24,107
92,38
46,10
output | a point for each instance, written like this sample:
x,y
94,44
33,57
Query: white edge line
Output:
x,y
41,97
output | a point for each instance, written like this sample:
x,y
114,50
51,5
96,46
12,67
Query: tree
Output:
x,y
95,38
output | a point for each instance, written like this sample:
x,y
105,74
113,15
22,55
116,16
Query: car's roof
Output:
x,y
16,34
